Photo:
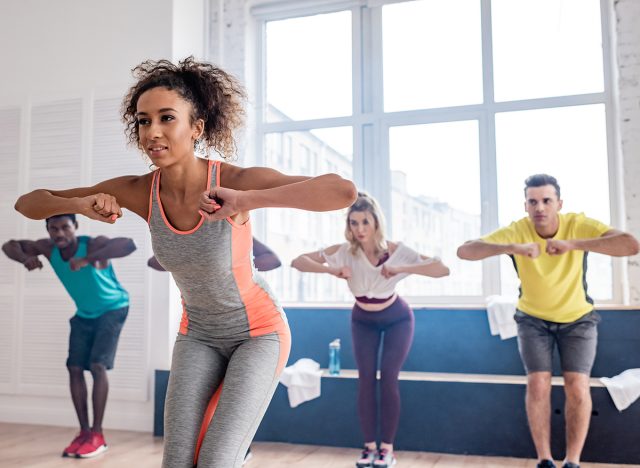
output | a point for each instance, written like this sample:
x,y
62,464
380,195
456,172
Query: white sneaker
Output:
x,y
384,459
366,458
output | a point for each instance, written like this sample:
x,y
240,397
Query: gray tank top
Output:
x,y
212,264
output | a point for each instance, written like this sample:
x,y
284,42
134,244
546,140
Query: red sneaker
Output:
x,y
92,446
75,444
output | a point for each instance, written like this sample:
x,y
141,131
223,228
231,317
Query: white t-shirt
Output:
x,y
366,279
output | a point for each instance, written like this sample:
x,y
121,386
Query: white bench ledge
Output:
x,y
458,377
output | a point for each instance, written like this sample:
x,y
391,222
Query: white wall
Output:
x,y
627,14
65,67
69,45
189,25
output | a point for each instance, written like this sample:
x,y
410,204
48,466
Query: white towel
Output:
x,y
302,380
500,312
623,388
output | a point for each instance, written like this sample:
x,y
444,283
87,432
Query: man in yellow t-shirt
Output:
x,y
549,251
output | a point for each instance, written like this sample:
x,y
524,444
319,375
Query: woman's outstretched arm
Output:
x,y
244,190
103,202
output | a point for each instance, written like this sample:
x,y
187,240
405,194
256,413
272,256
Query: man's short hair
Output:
x,y
540,180
71,216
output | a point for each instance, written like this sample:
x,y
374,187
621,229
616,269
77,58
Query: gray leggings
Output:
x,y
240,376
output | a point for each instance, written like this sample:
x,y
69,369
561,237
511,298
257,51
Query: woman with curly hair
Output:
x,y
372,267
234,339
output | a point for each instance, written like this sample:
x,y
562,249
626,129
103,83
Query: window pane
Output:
x,y
436,201
443,42
308,67
570,144
545,48
293,232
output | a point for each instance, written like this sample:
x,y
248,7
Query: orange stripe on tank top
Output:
x,y
184,320
262,314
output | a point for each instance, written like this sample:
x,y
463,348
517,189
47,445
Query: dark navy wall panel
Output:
x,y
618,342
452,417
160,393
459,341
313,329
473,418
445,341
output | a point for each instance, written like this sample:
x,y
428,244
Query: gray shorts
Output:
x,y
576,342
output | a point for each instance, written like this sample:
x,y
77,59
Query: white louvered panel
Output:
x,y
133,335
36,229
8,230
9,152
132,352
45,335
56,145
7,338
9,177
112,157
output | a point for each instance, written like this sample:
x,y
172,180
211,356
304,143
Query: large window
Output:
x,y
440,109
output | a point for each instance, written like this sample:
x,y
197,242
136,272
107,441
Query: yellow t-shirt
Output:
x,y
552,288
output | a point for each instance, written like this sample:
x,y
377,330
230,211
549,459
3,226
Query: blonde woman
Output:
x,y
372,267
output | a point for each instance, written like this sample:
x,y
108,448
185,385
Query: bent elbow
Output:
x,y
131,246
295,263
19,205
462,253
629,245
351,192
345,190
22,206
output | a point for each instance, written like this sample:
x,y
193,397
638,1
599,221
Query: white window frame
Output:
x,y
371,124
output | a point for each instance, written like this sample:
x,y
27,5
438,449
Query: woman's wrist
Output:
x,y
246,200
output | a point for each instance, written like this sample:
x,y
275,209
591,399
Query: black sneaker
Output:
x,y
570,465
546,464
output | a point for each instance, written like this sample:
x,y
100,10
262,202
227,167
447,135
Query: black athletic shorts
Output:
x,y
94,341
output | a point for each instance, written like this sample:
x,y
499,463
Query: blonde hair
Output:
x,y
366,202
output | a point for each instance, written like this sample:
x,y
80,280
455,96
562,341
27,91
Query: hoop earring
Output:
x,y
200,148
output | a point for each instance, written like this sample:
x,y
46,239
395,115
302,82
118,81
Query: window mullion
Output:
x,y
358,94
375,138
487,140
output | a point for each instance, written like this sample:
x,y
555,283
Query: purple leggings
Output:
x,y
396,321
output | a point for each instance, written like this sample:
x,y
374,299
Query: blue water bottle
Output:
x,y
334,357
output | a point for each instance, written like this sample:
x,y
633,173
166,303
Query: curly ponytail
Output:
x,y
215,96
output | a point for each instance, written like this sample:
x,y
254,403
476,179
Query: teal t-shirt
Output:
x,y
94,291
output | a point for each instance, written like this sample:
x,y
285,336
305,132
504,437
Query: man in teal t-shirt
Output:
x,y
82,265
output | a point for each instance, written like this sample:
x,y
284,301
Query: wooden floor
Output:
x,y
27,446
